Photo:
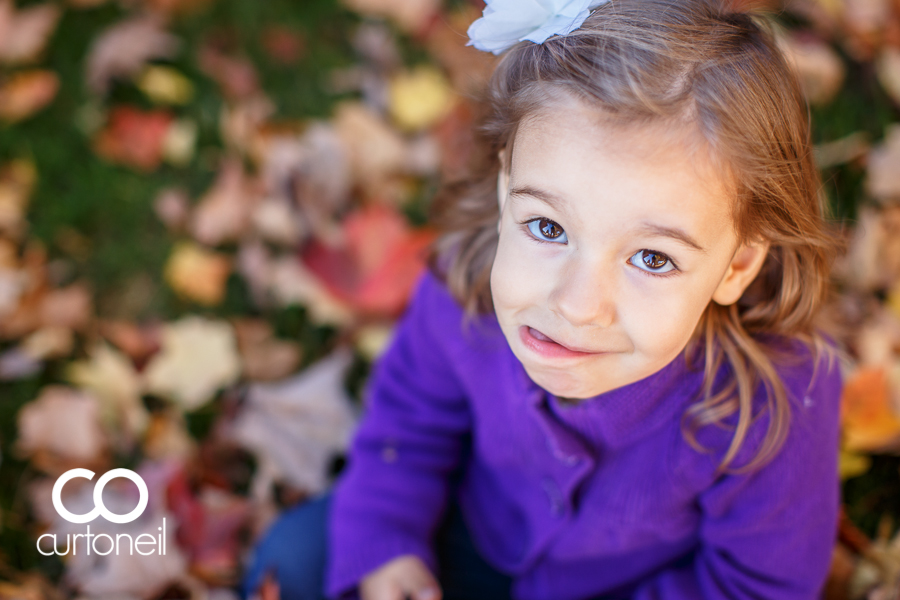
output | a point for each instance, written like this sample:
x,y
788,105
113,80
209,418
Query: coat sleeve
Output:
x,y
770,534
393,490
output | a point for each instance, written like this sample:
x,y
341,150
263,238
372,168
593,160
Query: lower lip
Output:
x,y
549,349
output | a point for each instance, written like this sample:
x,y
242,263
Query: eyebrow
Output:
x,y
646,227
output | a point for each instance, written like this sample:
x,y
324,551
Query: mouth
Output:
x,y
546,346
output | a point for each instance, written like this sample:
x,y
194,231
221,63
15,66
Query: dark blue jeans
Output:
x,y
294,548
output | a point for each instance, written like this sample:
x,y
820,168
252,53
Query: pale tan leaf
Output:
x,y
295,426
198,357
263,356
113,380
412,16
62,421
223,214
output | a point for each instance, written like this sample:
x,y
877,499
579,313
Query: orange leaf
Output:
x,y
26,93
869,422
133,137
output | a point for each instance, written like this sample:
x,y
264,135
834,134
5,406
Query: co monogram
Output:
x,y
99,507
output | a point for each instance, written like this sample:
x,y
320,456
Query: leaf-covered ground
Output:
x,y
212,211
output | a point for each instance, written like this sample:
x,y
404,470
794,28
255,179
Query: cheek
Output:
x,y
515,283
662,323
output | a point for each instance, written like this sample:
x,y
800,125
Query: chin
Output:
x,y
558,383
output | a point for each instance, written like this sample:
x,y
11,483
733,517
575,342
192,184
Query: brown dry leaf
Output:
x,y
24,33
282,44
223,214
264,357
820,69
873,259
113,380
122,50
167,437
172,206
844,150
198,356
135,341
134,137
17,179
25,93
70,307
240,122
869,423
235,75
63,422
295,426
413,16
197,273
375,148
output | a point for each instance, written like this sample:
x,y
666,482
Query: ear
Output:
x,y
502,183
745,265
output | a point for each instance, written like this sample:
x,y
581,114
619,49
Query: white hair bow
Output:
x,y
505,22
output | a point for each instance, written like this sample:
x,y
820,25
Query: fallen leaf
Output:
x,y
167,437
282,44
295,426
210,523
122,50
869,423
197,358
113,380
883,176
138,342
25,93
820,69
287,282
63,422
52,341
24,33
70,307
376,265
263,356
17,179
177,7
165,85
197,273
235,75
134,137
223,214
413,16
375,149
419,97
172,206
179,142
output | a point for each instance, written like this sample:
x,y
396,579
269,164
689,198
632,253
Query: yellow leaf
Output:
x,y
165,85
197,273
419,98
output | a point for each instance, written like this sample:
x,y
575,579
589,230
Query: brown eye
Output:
x,y
654,260
549,228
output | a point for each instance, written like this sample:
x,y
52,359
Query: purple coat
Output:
x,y
578,501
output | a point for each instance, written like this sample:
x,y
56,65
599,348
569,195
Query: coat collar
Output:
x,y
625,414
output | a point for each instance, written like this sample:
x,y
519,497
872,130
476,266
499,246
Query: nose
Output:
x,y
584,294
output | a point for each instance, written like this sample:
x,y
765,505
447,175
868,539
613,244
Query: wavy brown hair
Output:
x,y
719,70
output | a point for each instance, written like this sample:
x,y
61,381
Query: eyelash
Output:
x,y
675,270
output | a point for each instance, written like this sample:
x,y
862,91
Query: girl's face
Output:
x,y
612,243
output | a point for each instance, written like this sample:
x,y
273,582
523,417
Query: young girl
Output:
x,y
614,381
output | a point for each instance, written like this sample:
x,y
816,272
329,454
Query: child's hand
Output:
x,y
400,578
